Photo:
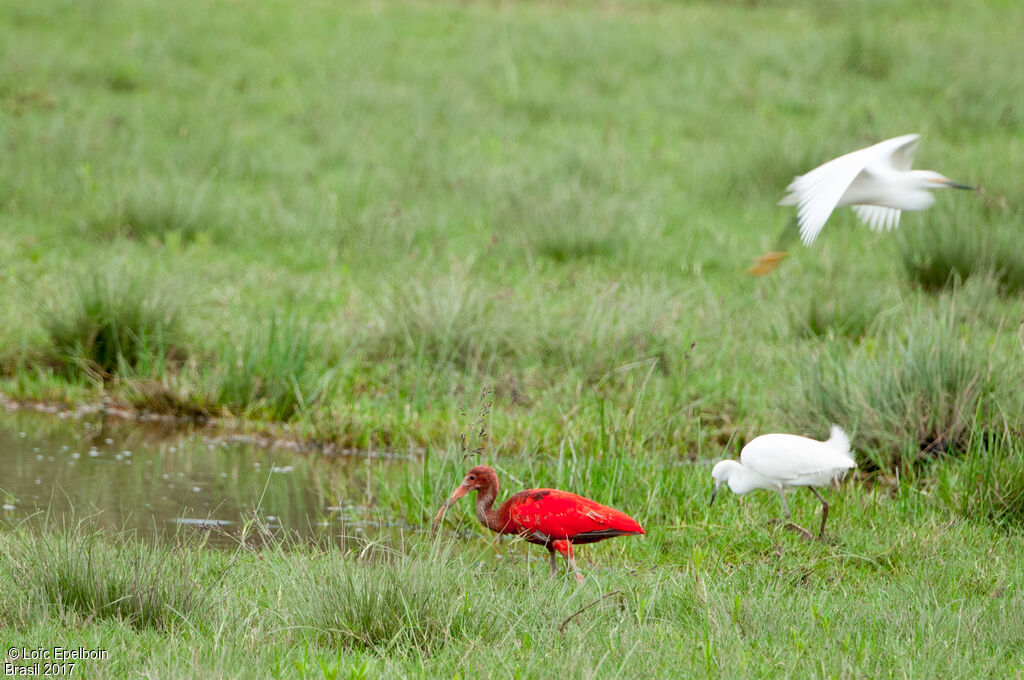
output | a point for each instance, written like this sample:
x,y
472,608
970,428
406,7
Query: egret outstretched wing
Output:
x,y
817,193
903,148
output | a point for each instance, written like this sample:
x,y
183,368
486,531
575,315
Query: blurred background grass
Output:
x,y
358,216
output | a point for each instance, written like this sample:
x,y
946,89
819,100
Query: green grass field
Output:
x,y
360,222
914,582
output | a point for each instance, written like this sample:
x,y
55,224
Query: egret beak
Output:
x,y
957,185
714,492
460,491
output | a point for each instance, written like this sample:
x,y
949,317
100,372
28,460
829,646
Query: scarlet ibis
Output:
x,y
548,517
782,461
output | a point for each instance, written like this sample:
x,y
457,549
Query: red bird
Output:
x,y
548,517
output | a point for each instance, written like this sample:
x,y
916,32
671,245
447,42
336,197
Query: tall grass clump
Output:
x,y
448,321
113,324
962,242
567,230
379,599
916,393
620,328
867,52
162,212
583,217
846,317
85,573
988,484
183,394
274,372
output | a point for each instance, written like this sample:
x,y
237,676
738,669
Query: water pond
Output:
x,y
166,482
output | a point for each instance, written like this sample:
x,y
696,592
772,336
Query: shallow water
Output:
x,y
166,482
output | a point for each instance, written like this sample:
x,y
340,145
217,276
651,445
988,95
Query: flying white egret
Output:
x,y
782,461
877,181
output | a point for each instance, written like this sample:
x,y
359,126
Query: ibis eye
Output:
x,y
472,476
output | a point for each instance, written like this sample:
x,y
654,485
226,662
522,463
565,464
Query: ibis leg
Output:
x,y
572,562
554,567
824,511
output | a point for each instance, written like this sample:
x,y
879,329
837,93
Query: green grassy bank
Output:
x,y
918,578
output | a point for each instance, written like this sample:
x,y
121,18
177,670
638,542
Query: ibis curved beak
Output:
x,y
714,492
460,491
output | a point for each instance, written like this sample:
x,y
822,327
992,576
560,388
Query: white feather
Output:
x,y
859,177
792,460
877,217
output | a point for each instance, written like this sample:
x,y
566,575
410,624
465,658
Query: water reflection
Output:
x,y
161,482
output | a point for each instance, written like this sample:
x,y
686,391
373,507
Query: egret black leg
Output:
x,y
824,511
789,525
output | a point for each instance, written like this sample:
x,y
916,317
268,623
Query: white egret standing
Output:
x,y
877,181
782,461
